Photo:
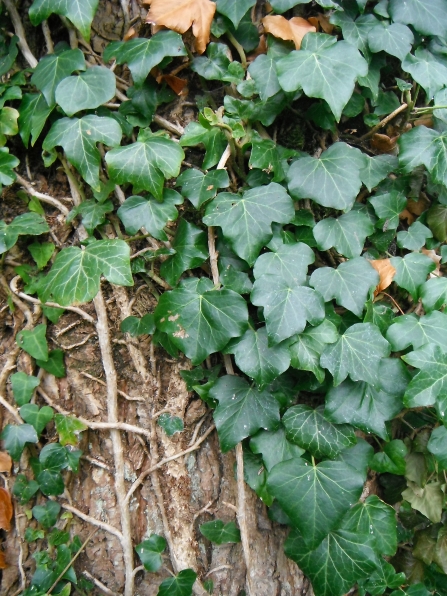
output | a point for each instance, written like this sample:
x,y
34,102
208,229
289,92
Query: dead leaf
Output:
x,y
321,21
176,83
3,563
386,273
5,510
431,254
293,30
406,214
179,15
384,143
131,34
418,207
5,462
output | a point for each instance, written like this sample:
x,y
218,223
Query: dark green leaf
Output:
x,y
426,18
265,156
387,207
54,68
135,326
429,384
7,176
242,410
308,346
373,516
68,429
255,476
424,146
412,271
216,65
263,71
16,437
180,585
93,213
395,39
437,220
23,386
427,70
41,253
86,91
37,417
219,532
170,424
24,489
199,187
234,10
34,342
31,224
47,514
410,330
434,293
213,139
381,315
191,246
437,445
274,447
391,459
347,233
34,112
415,237
377,169
54,364
150,551
290,261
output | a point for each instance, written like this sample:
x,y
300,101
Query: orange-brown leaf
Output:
x,y
386,273
5,462
384,143
3,563
179,15
321,21
293,30
418,207
5,510
176,83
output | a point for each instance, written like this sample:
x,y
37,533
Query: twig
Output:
x,y
76,345
47,35
99,584
394,302
129,397
43,197
174,129
213,256
383,122
20,32
241,514
126,14
95,522
137,569
218,569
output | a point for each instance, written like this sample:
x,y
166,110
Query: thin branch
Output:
x,y
99,584
43,197
383,122
175,129
129,397
73,559
213,255
93,521
241,514
20,32
47,35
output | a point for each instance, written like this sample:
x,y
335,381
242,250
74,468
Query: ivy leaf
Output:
x,y
309,429
437,221
242,410
391,459
388,206
323,68
75,275
377,169
137,212
365,406
349,284
86,91
53,69
287,306
54,364
78,137
93,214
337,563
357,352
429,384
274,447
427,19
37,417
415,237
31,224
427,70
15,438
256,359
180,585
263,71
315,497
424,146
47,514
412,271
265,156
410,330
437,445
289,261
41,253
170,424
378,519
191,246
434,293
355,31
395,39
212,138
200,188
307,348
34,341
150,551
145,164
217,66
332,180
68,429
347,233
7,163
199,319
219,532
24,489
141,55
246,220
79,12
135,326
234,10
428,500
23,386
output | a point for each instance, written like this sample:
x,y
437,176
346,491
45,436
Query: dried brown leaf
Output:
x,y
5,462
406,214
176,83
180,15
131,34
3,563
431,254
383,143
5,510
321,21
386,273
418,207
293,30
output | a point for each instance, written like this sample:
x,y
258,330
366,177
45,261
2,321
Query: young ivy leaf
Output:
x,y
242,410
86,91
395,39
41,253
135,326
34,342
54,364
180,585
412,271
315,497
217,66
7,175
199,319
37,417
23,386
68,429
274,447
146,163
47,514
332,180
141,55
78,137
308,346
324,68
356,353
212,138
150,551
75,275
246,220
200,188
170,424
79,12
349,284
219,532
289,261
415,237
15,438
346,233
31,224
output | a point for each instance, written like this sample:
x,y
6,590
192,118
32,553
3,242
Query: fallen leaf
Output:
x,y
386,273
431,254
176,83
418,207
424,121
406,214
3,563
131,34
5,510
293,30
321,21
384,143
179,15
5,462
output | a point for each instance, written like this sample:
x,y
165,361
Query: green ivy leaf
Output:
x,y
309,345
150,551
34,341
135,326
415,237
79,12
412,271
212,138
355,30
263,71
323,68
246,220
219,532
23,386
234,10
379,314
289,261
395,39
41,253
31,224
256,359
375,517
315,497
424,146
274,447
437,221
391,459
309,429
53,69
34,112
428,499
200,188
37,417
153,214
377,169
242,410
7,176
255,476
54,364
427,70
47,514
410,330
145,164
217,66
15,438
141,55
68,429
191,250
75,275
180,585
427,19
349,284
434,293
86,91
78,137
170,424
388,206
24,489
332,180
437,445
347,233
93,214
429,384
265,156
199,319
